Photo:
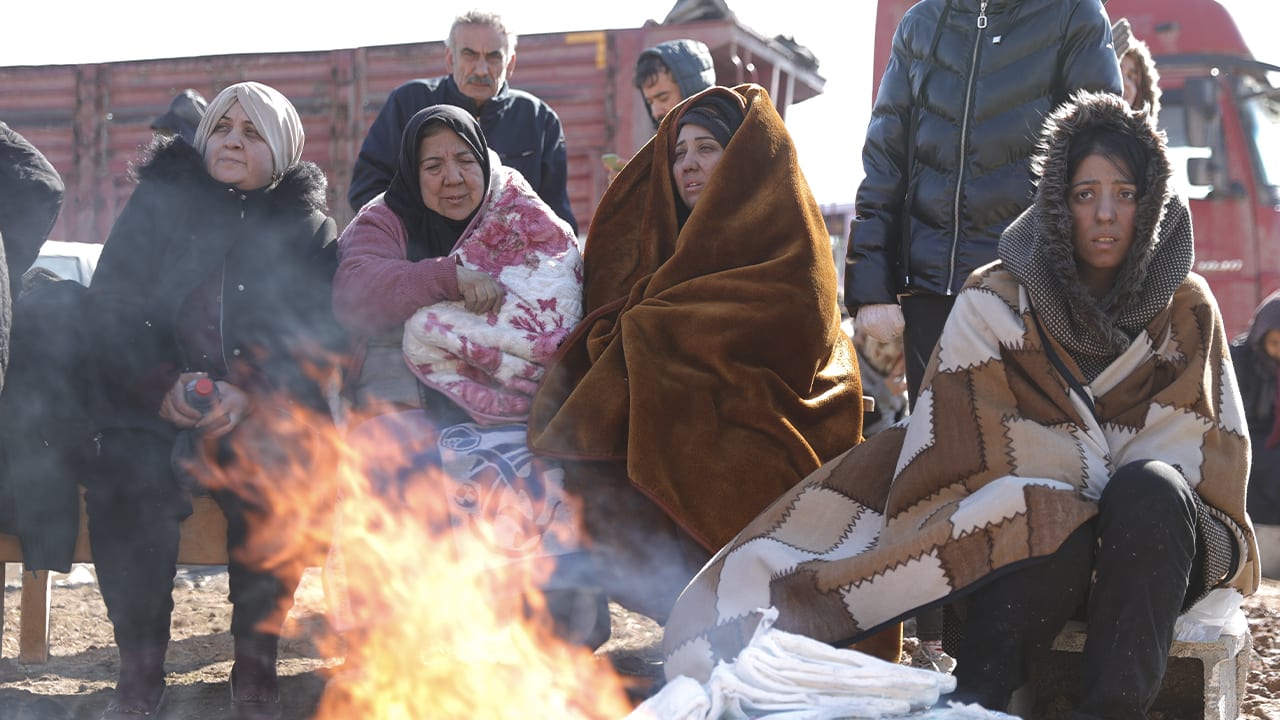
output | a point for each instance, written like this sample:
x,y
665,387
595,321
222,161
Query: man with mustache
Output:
x,y
479,55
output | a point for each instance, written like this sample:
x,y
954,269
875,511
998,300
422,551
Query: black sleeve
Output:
x,y
874,237
1088,61
30,198
132,349
376,163
554,189
313,342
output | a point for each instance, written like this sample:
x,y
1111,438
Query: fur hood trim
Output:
x,y
1038,247
172,160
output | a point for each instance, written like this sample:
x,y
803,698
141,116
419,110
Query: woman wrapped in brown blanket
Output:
x,y
710,373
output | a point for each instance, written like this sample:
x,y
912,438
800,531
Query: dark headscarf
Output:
x,y
721,116
430,233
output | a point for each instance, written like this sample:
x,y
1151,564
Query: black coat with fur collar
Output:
x,y
276,254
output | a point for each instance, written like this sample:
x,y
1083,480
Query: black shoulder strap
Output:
x,y
1061,367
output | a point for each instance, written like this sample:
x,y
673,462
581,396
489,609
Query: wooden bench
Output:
x,y
203,541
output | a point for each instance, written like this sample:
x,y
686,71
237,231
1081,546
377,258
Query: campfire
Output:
x,y
431,619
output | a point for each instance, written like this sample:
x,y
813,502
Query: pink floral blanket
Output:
x,y
490,364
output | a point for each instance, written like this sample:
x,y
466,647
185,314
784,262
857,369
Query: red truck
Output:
x,y
1222,117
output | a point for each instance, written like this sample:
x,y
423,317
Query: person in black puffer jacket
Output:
x,y
947,157
956,119
220,266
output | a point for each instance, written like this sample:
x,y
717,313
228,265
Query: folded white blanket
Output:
x,y
781,675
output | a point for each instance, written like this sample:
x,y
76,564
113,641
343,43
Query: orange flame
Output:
x,y
436,624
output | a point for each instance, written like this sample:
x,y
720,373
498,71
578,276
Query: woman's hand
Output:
x,y
882,322
897,377
232,406
481,294
175,408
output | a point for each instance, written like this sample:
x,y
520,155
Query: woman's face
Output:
x,y
1132,76
449,174
236,154
1271,344
697,154
1104,200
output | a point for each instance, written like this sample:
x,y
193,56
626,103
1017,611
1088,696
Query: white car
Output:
x,y
70,260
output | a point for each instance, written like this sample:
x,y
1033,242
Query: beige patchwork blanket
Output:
x,y
998,465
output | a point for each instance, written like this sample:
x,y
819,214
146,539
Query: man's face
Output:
x,y
478,61
662,93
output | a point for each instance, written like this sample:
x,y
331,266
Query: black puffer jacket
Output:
x,y
30,198
276,254
979,100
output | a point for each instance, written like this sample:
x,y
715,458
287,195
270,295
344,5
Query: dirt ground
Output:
x,y
78,678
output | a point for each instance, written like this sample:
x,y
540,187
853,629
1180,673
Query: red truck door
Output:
x,y
1223,126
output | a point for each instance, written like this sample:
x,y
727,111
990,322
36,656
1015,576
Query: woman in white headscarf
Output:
x,y
220,269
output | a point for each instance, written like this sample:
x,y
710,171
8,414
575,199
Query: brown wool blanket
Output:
x,y
711,359
998,465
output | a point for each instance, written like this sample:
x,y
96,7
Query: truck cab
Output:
x,y
1222,117
1221,113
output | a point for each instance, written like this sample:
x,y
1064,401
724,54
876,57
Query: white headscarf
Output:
x,y
272,114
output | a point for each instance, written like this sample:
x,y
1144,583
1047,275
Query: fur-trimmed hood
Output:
x,y
1038,248
302,186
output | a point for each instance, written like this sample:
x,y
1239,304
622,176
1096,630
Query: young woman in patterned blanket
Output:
x,y
1078,450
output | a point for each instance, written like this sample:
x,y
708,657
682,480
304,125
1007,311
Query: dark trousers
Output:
x,y
1264,484
924,317
134,507
1140,550
643,558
